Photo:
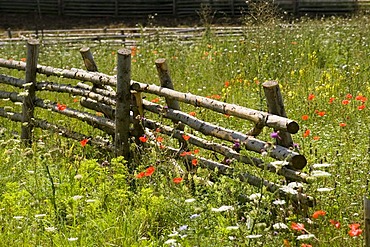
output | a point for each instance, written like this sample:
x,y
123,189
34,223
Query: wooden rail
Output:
x,y
124,117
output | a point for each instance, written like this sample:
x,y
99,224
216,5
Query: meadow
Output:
x,y
61,193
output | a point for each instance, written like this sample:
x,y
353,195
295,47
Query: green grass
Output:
x,y
57,193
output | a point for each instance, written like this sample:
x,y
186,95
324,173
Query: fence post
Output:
x,y
367,220
123,99
275,106
166,82
30,87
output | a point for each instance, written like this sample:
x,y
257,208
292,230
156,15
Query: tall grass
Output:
x,y
57,193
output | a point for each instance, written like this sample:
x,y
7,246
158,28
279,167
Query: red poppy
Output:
x,y
196,151
84,142
75,100
342,124
185,153
61,107
215,96
149,171
361,98
192,113
140,175
227,84
316,138
355,230
297,226
133,51
318,213
349,96
306,245
321,113
311,96
361,107
155,100
345,102
335,223
177,180
306,133
305,117
331,100
159,139
185,137
194,162
143,138
23,59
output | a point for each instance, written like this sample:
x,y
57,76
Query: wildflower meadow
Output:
x,y
60,192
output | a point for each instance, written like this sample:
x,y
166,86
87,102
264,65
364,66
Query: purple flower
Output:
x,y
236,146
275,135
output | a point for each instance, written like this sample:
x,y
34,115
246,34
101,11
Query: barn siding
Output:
x,y
180,8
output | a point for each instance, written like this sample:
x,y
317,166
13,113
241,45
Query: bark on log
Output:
x,y
275,106
98,122
166,82
138,116
123,100
28,101
250,143
98,141
258,117
88,59
292,195
99,107
227,152
255,116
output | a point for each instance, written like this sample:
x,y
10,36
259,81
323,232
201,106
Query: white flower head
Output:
x,y
323,165
279,202
223,208
72,239
77,197
232,228
319,173
305,236
324,189
190,200
254,236
50,229
170,241
40,215
278,226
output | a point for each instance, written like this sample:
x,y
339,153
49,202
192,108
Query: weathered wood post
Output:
x,y
367,220
30,87
276,106
166,82
88,58
123,99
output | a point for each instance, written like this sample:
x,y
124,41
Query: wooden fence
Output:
x,y
177,8
124,118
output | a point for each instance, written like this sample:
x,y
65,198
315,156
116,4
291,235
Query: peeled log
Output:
x,y
270,120
278,152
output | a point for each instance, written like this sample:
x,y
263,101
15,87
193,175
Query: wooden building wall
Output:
x,y
180,8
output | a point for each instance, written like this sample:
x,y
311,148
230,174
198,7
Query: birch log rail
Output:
x,y
124,120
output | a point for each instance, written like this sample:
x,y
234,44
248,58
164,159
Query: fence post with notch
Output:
x,y
30,87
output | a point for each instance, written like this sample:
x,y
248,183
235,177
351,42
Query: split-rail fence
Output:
x,y
124,118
